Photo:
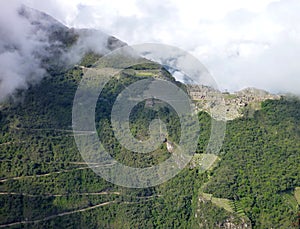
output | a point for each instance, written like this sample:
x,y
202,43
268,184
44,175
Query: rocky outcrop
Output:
x,y
223,105
170,146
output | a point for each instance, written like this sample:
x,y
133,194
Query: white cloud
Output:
x,y
243,43
26,46
18,62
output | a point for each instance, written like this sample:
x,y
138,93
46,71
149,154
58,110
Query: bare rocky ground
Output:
x,y
227,106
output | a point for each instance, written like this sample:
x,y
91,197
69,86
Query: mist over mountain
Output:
x,y
250,43
33,43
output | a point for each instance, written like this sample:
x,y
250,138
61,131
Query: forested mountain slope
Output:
x,y
43,176
44,182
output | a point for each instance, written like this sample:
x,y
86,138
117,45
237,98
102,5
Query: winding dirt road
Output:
x,y
49,174
57,215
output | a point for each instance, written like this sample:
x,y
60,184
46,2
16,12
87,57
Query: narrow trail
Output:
x,y
6,143
70,162
79,194
12,142
51,173
56,215
42,175
81,163
53,129
60,195
63,214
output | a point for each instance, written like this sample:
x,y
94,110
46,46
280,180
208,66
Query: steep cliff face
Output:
x,y
230,105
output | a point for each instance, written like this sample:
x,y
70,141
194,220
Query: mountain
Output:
x,y
45,183
59,34
40,45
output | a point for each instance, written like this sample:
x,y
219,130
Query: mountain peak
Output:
x,y
41,45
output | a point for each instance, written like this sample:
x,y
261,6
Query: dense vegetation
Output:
x,y
260,167
44,180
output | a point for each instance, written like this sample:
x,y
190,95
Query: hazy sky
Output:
x,y
241,42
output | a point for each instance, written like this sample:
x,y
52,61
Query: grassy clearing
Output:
x,y
220,202
228,205
223,203
297,194
205,161
291,200
207,196
229,96
144,74
148,73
